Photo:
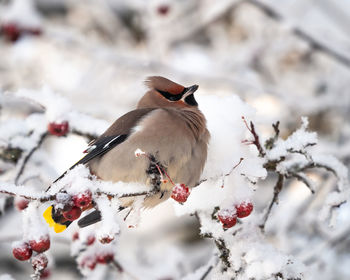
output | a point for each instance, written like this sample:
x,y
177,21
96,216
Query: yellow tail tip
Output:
x,y
48,218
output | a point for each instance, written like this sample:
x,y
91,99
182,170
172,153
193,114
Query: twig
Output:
x,y
206,273
269,143
314,43
277,189
234,167
225,175
28,156
224,252
303,179
256,140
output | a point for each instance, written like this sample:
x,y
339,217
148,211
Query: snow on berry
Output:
x,y
89,262
180,193
72,214
106,239
40,245
104,257
39,262
21,250
58,129
75,236
109,227
45,273
227,217
82,199
163,9
21,203
90,240
244,209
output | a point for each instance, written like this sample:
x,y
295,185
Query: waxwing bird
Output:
x,y
168,125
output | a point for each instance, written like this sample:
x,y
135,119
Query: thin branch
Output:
x,y
224,252
225,175
256,140
303,179
28,156
314,42
206,273
277,189
270,143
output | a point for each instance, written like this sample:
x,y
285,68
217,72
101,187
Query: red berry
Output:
x,y
58,129
90,240
41,245
227,217
89,262
180,193
22,251
11,31
39,262
163,9
72,214
105,258
21,203
32,31
82,199
75,236
244,209
45,274
106,239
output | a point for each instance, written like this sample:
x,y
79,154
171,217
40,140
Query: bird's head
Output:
x,y
165,93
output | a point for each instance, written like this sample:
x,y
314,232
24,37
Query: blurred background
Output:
x,y
287,59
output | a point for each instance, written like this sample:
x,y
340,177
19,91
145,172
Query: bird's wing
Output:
x,y
117,133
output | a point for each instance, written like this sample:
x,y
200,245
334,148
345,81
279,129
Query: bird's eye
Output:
x,y
169,96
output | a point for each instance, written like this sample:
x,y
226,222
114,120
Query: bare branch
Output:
x,y
225,175
256,140
301,177
314,42
206,273
277,189
28,156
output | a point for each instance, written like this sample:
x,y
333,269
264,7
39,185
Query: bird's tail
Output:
x,y
90,219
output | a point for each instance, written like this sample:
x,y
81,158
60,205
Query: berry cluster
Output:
x,y
228,217
100,258
23,251
76,204
92,260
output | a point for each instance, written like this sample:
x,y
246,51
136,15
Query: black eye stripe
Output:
x,y
170,96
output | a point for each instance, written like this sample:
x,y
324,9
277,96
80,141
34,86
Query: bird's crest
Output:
x,y
163,84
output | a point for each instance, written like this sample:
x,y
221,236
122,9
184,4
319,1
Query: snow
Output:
x,y
34,227
23,13
297,142
79,180
6,277
98,60
109,227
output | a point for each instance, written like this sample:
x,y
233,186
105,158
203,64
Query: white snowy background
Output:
x,y
268,61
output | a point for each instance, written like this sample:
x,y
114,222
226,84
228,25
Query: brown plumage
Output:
x,y
166,124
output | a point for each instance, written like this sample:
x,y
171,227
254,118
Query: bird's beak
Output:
x,y
190,90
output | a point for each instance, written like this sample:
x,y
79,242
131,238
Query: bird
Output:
x,y
166,124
